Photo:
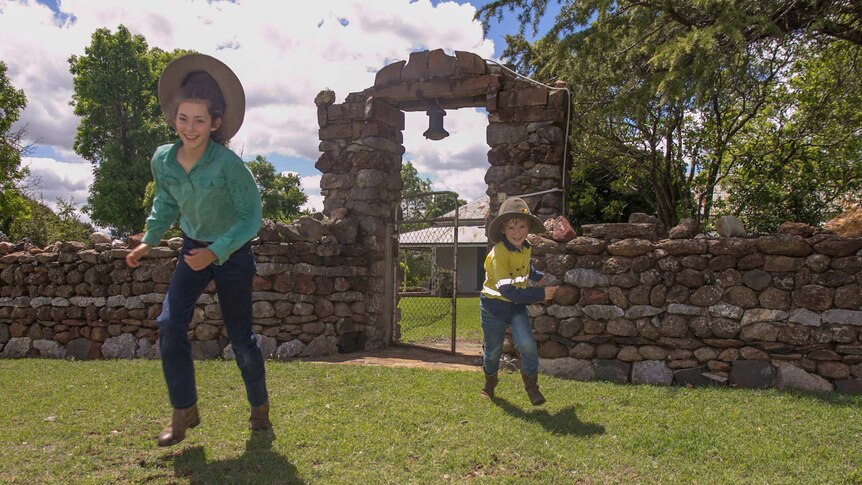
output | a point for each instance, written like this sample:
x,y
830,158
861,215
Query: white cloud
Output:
x,y
53,179
283,54
457,162
311,186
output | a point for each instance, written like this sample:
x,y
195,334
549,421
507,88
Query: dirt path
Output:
x,y
408,356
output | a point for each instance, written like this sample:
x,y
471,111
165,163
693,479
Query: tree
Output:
x,y
411,182
281,193
802,159
115,94
45,226
13,204
426,208
670,95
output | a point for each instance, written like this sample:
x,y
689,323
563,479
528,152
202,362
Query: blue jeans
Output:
x,y
494,331
234,285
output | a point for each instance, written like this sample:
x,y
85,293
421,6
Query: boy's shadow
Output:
x,y
564,422
258,464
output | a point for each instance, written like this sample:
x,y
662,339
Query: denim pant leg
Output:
x,y
234,286
176,351
522,335
494,332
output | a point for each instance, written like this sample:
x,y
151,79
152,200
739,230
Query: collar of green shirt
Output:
x,y
207,157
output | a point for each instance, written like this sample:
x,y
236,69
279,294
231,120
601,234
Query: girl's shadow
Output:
x,y
563,422
258,464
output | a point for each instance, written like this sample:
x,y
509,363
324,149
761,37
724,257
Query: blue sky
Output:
x,y
284,58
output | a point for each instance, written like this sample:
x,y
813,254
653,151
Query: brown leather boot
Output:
x,y
181,420
531,385
259,419
491,381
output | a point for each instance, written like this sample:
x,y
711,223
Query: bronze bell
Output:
x,y
435,129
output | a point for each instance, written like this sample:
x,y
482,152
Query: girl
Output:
x,y
219,208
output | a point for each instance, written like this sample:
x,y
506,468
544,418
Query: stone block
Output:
x,y
440,65
567,368
290,350
336,131
752,374
651,372
839,247
849,386
321,345
379,110
696,377
206,349
417,67
783,245
390,74
120,347
790,376
468,64
611,370
729,226
523,97
17,347
620,231
505,133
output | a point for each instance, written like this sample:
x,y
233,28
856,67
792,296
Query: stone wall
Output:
x,y
779,310
82,300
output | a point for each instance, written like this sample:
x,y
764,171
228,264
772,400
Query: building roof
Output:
x,y
478,209
471,232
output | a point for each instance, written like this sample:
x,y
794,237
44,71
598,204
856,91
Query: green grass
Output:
x,y
424,319
96,422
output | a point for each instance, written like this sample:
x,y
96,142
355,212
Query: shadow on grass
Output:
x,y
832,397
259,464
564,422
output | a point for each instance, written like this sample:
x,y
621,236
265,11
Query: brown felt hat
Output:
x,y
177,73
511,208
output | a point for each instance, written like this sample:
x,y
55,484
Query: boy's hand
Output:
x,y
549,292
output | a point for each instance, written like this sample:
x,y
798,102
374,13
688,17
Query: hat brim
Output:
x,y
179,69
494,231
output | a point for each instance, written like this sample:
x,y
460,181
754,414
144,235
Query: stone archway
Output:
x,y
361,145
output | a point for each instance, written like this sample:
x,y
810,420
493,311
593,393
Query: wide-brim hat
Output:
x,y
177,72
510,209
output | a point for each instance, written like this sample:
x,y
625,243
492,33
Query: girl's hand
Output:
x,y
199,258
549,292
132,259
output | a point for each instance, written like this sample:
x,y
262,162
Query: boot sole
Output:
x,y
193,424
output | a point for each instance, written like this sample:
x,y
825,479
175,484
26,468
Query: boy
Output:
x,y
505,294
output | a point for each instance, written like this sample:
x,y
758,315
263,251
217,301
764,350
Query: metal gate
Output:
x,y
426,276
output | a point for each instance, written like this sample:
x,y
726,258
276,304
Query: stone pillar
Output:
x,y
526,133
361,165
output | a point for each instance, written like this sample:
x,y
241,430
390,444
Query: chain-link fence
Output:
x,y
427,269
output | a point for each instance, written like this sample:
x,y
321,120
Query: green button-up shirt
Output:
x,y
218,200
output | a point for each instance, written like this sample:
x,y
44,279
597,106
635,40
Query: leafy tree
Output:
x,y
45,226
674,97
425,208
280,193
13,204
115,95
802,162
411,182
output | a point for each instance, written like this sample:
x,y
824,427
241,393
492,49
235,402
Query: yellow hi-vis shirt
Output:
x,y
508,271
